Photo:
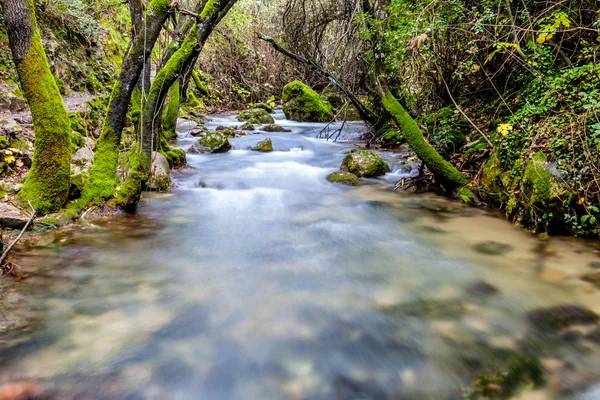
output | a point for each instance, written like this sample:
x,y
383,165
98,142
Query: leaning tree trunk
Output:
x,y
169,120
180,62
103,177
445,173
48,182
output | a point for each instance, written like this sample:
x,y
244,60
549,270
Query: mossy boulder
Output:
x,y
538,184
211,143
364,163
264,106
274,128
264,146
256,116
345,178
301,103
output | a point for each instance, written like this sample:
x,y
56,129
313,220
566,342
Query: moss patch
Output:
x,y
301,103
364,163
345,178
256,116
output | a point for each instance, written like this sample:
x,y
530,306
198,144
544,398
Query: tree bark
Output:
x,y
182,60
48,182
364,112
103,178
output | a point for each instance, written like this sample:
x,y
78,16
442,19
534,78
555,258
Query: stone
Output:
x,y
274,128
364,163
264,146
248,126
83,157
593,277
557,317
160,179
12,217
492,248
301,103
9,101
264,106
595,264
9,127
482,288
211,143
200,130
345,178
256,116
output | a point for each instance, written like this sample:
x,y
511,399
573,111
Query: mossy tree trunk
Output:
x,y
48,182
445,173
178,64
103,177
169,125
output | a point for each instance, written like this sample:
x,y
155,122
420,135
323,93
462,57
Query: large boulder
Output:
x,y
301,103
211,143
160,179
364,163
256,116
264,146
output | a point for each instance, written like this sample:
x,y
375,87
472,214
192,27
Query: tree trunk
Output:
x,y
48,182
445,173
169,125
103,177
180,62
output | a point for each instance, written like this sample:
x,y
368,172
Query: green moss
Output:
x,y
445,172
171,112
537,181
47,184
301,103
264,146
3,143
364,163
256,116
159,6
346,178
176,157
209,9
103,176
129,193
264,106
200,86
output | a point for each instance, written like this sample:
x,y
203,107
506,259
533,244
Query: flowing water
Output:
x,y
258,279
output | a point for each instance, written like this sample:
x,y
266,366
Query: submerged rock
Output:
x,y
431,308
492,248
301,103
264,146
211,143
274,128
345,178
561,316
364,163
256,116
482,288
593,277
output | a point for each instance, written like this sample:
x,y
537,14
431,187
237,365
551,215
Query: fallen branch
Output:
x,y
364,113
9,248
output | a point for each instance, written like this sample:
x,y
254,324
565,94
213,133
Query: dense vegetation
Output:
x,y
506,92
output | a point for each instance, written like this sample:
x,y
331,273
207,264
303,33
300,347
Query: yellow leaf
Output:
x,y
9,159
581,200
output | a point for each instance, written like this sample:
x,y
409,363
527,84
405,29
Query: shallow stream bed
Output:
x,y
255,278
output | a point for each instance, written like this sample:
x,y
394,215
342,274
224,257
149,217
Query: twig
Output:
x,y
9,248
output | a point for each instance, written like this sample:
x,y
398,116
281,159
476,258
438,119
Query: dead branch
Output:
x,y
364,113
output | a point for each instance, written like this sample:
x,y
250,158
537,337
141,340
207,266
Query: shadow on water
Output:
x,y
258,279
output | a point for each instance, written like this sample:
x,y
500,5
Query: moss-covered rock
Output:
x,y
538,184
248,126
274,128
264,146
160,178
264,106
301,103
364,163
345,178
256,116
211,143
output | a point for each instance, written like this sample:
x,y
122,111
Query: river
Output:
x,y
255,278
